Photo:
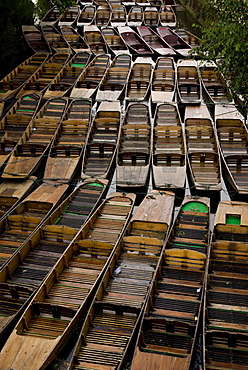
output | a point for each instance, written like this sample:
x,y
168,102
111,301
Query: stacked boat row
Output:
x,y
143,290
114,13
64,131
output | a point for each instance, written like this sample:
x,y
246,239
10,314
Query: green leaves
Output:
x,y
225,35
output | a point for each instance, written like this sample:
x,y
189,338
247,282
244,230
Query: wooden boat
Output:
x,y
176,42
102,141
189,87
214,86
191,39
35,39
202,148
87,15
151,16
80,204
135,16
167,16
35,141
2,109
134,42
12,192
139,79
26,269
168,153
226,331
115,312
115,78
13,82
171,317
144,3
15,122
70,298
163,87
91,77
113,41
118,15
40,80
233,141
51,17
56,41
18,224
76,41
68,143
65,79
102,16
70,16
134,152
155,42
95,39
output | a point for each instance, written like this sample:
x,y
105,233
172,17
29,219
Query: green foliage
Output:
x,y
14,14
42,7
225,40
64,4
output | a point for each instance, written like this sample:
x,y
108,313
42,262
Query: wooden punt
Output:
x,y
118,15
74,39
189,87
202,149
163,86
76,209
62,84
168,153
87,15
102,16
113,41
49,320
139,79
113,318
155,42
91,77
233,141
151,16
226,330
191,39
171,318
135,16
35,39
68,143
41,79
2,108
70,16
95,39
176,42
15,122
133,41
134,152
12,192
167,16
143,3
115,78
102,141
24,272
13,82
33,146
55,39
214,86
18,224
51,17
